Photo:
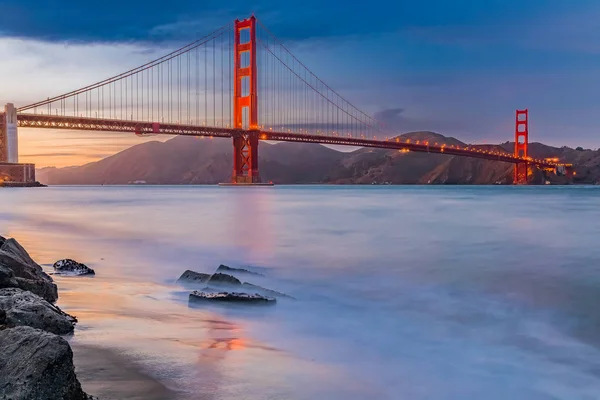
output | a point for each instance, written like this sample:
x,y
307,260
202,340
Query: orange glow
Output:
x,y
62,148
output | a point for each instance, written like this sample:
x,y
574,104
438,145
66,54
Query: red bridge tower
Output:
x,y
521,142
245,103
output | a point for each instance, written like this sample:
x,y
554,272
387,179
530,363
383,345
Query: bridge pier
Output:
x,y
9,138
245,158
521,174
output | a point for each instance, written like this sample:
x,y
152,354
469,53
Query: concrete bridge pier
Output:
x,y
11,172
9,138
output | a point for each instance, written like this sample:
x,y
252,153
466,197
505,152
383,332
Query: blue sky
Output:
x,y
458,67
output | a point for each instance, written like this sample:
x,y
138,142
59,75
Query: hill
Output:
x,y
188,160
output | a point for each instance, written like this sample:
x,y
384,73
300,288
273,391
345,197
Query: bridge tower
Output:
x,y
245,103
521,143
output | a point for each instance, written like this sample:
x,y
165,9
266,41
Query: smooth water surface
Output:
x,y
402,292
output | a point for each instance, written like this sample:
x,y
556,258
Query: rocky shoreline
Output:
x,y
36,362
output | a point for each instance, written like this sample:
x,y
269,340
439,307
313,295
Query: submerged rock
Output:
x,y
263,290
37,365
25,308
232,297
193,277
224,279
70,267
225,268
17,266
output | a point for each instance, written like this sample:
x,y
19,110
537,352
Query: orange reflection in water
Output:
x,y
252,220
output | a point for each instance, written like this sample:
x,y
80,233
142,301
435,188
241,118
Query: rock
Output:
x,y
225,268
231,297
70,267
224,279
25,308
2,317
7,277
263,290
37,365
28,275
195,277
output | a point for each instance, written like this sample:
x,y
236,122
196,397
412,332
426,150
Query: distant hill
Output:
x,y
188,160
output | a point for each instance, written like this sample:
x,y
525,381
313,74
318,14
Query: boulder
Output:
x,y
224,279
70,267
231,297
225,268
265,291
37,365
26,272
7,277
25,308
193,277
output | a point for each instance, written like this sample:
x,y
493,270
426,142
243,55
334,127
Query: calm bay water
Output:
x,y
402,292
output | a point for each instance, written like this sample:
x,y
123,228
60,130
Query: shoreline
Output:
x,y
108,375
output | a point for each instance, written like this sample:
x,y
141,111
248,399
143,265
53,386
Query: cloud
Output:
x,y
33,70
396,120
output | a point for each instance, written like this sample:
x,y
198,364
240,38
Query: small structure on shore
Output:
x,y
12,173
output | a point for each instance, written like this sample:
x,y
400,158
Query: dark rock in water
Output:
x,y
70,267
263,290
2,317
193,277
25,308
26,272
224,279
232,297
225,268
37,365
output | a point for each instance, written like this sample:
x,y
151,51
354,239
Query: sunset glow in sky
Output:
x,y
457,67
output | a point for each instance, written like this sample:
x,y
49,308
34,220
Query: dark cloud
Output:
x,y
112,20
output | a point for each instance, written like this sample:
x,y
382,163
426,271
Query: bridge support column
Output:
x,y
9,138
521,144
245,158
245,103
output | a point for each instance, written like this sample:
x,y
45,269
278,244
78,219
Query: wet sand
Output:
x,y
110,376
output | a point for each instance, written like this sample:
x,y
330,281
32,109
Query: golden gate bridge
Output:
x,y
238,82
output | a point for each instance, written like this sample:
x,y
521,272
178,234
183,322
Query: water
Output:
x,y
402,292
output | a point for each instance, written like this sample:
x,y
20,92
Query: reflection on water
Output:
x,y
403,292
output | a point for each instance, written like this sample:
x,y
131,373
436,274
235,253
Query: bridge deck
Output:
x,y
140,127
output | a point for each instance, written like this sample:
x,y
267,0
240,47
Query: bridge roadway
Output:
x,y
147,128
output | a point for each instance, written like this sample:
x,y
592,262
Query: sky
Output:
x,y
457,67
